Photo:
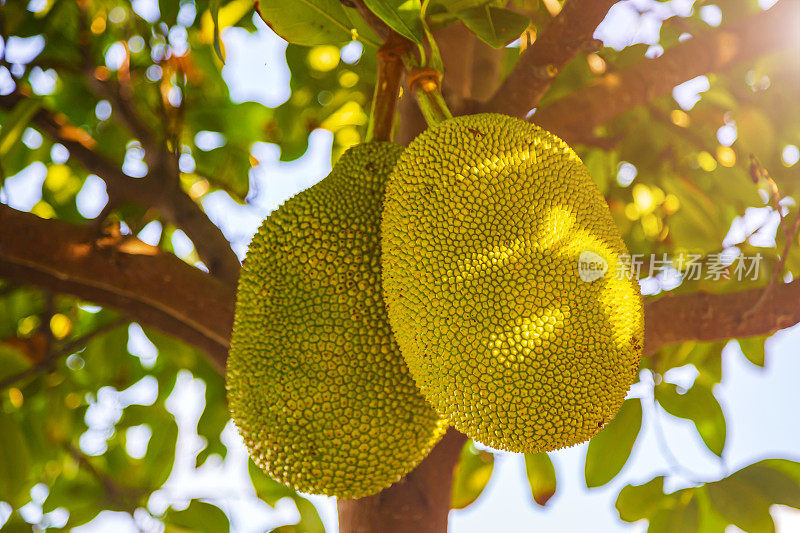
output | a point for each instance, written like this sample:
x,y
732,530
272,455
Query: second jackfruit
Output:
x,y
316,384
501,272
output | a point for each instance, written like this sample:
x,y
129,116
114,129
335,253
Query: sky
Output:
x,y
759,404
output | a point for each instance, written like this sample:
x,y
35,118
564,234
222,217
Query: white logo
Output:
x,y
591,266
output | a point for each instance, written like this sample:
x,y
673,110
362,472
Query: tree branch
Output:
x,y
567,34
49,360
149,285
159,290
702,316
164,194
574,117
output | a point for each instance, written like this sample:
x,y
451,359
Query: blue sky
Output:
x,y
759,403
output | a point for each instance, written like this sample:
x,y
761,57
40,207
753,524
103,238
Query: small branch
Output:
x,y
775,279
71,347
373,21
567,34
155,190
147,284
757,173
574,117
124,497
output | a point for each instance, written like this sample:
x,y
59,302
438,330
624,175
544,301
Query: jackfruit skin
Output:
x,y
485,219
316,384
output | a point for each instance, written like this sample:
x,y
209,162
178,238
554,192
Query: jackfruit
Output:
x,y
316,384
505,284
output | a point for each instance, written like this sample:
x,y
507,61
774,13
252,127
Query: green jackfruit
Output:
x,y
316,384
502,276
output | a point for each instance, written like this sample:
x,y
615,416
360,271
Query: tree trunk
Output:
x,y
418,503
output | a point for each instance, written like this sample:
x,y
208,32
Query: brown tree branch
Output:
x,y
151,286
701,316
574,117
160,290
164,194
567,34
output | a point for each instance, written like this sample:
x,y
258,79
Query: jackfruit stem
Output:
x,y
425,83
432,105
387,88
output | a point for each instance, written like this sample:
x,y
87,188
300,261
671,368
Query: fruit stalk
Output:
x,y
387,88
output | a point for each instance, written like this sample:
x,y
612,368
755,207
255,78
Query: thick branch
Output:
x,y
158,289
701,316
151,286
574,117
166,195
567,34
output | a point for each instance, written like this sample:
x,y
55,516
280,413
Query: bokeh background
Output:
x,y
759,403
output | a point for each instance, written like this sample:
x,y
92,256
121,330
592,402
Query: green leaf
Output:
x,y
309,22
403,16
684,517
16,122
270,491
744,497
742,504
700,406
495,26
15,462
773,483
753,350
541,476
609,450
199,517
637,502
471,476
12,361
710,520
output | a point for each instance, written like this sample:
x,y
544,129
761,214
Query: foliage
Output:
x,y
105,72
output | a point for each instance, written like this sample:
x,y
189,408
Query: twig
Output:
x,y
757,173
46,362
125,497
778,270
675,466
